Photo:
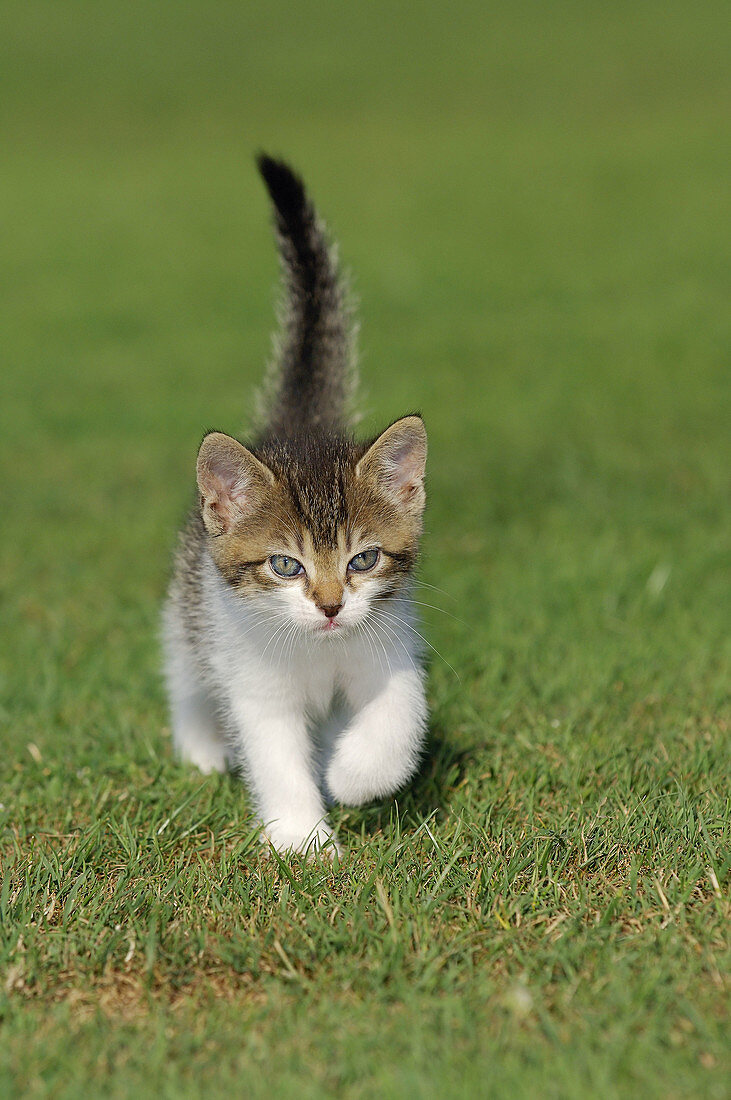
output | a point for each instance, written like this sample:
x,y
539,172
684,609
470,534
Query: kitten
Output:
x,y
288,629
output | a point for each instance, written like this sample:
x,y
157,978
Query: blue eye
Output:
x,y
364,561
284,566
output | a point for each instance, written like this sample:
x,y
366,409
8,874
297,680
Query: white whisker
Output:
x,y
398,619
372,627
418,603
394,634
425,584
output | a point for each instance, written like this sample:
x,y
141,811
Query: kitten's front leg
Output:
x,y
379,751
276,755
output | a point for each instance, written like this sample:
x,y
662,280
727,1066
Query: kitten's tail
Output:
x,y
313,379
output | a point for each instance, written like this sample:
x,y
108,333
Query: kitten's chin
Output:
x,y
343,625
331,629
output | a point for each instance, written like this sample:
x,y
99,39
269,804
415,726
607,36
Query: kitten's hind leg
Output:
x,y
198,736
325,734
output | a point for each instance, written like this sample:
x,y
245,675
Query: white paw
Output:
x,y
356,775
207,758
318,842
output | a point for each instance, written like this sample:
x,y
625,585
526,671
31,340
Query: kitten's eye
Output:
x,y
284,566
364,561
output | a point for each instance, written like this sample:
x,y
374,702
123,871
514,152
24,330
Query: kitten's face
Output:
x,y
315,529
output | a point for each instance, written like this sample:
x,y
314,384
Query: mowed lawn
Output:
x,y
533,200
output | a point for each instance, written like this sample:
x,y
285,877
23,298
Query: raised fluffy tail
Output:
x,y
313,378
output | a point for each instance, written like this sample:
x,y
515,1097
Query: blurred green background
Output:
x,y
533,202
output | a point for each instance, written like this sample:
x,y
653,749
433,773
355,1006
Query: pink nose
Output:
x,y
332,610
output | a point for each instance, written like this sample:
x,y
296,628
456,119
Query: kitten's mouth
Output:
x,y
329,627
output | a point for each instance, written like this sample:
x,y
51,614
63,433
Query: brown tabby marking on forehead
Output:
x,y
315,470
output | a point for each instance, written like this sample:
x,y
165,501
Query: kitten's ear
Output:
x,y
397,461
231,482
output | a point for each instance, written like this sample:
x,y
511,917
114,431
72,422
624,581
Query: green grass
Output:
x,y
533,200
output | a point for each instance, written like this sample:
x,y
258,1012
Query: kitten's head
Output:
x,y
317,524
